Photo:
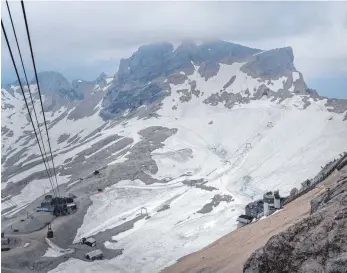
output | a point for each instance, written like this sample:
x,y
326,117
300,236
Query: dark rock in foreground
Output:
x,y
315,244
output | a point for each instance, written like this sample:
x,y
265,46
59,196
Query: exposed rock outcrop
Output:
x,y
144,78
271,64
315,244
51,81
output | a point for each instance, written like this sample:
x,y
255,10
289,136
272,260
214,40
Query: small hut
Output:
x,y
90,242
244,219
94,255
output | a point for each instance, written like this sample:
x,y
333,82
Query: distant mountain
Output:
x,y
141,78
51,81
54,82
6,85
145,77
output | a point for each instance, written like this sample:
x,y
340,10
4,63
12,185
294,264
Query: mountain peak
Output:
x,y
103,75
271,64
152,64
51,81
155,48
247,74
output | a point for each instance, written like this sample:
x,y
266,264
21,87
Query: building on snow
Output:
x,y
89,241
245,219
255,209
272,201
94,255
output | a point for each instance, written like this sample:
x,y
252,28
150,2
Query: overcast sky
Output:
x,y
81,39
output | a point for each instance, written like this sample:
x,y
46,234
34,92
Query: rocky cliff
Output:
x,y
315,244
145,77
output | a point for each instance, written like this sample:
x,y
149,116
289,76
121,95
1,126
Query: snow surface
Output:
x,y
30,192
106,87
79,266
55,251
279,157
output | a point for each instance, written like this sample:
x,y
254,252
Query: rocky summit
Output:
x,y
145,77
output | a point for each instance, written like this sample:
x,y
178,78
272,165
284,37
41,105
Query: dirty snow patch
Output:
x,y
55,251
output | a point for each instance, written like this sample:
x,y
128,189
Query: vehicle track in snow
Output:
x,y
240,159
303,148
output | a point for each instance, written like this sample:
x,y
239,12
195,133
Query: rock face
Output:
x,y
148,76
315,244
144,78
54,83
271,64
51,81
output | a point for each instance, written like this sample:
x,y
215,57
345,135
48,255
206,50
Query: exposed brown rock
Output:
x,y
315,244
229,254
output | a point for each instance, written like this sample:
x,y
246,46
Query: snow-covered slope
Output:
x,y
69,123
192,146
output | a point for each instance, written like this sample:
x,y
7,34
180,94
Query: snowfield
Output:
x,y
297,145
239,153
56,251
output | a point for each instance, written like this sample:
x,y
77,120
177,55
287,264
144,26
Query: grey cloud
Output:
x,y
77,35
